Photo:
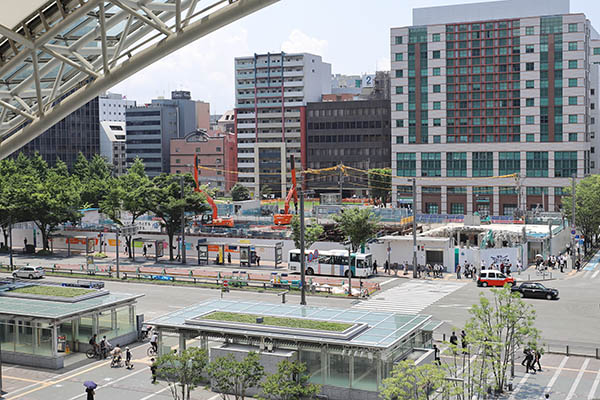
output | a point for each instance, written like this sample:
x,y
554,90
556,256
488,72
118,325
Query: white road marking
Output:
x,y
513,396
155,393
556,374
388,281
592,393
110,383
595,274
577,379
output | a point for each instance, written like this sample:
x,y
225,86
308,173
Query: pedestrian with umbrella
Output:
x,y
89,389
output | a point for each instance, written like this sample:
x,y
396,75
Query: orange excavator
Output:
x,y
213,219
286,217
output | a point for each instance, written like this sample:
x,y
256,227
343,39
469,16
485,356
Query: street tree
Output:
x,y
290,382
240,192
587,207
8,186
380,184
312,232
168,203
183,371
496,328
411,382
357,224
230,376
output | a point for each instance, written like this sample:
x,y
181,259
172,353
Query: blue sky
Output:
x,y
352,35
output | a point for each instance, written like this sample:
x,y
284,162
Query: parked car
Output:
x,y
535,290
491,277
29,272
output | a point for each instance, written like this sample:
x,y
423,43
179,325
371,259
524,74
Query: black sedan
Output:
x,y
535,290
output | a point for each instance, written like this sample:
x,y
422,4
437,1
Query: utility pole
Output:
x,y
182,243
117,247
302,259
350,268
414,226
10,252
341,181
573,221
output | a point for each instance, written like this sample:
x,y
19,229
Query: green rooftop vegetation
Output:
x,y
277,321
56,291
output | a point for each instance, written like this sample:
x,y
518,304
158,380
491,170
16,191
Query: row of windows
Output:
x,y
565,164
345,125
347,112
347,138
481,190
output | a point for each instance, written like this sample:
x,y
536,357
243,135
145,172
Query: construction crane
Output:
x,y
210,219
286,217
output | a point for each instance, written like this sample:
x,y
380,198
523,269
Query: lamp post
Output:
x,y
117,251
573,221
414,225
302,260
182,242
10,245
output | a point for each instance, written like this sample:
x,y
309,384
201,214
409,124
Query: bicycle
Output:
x,y
92,353
151,352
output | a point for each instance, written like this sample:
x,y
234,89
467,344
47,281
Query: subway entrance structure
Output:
x,y
349,363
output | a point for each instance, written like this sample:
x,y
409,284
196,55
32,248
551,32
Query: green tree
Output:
x,y
8,187
183,371
265,191
290,382
167,202
411,382
95,179
240,192
312,232
231,376
357,224
380,184
498,326
587,207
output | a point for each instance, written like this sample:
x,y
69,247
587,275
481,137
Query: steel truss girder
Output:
x,y
68,71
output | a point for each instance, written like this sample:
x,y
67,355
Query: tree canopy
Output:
x,y
240,192
357,224
312,232
290,382
182,371
380,184
587,207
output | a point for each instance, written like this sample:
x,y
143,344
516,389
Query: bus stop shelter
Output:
x,y
248,253
157,245
88,242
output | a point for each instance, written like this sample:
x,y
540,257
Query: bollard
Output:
x,y
283,298
265,286
597,354
444,338
567,350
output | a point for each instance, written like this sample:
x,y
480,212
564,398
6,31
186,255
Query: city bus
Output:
x,y
331,262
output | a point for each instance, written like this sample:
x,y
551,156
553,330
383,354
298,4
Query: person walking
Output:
x,y
154,341
258,261
436,355
145,250
103,347
375,267
386,267
128,363
153,369
24,245
454,339
519,267
528,361
90,393
538,357
458,271
463,339
228,258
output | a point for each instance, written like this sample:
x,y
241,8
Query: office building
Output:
x,y
185,109
77,132
216,152
484,90
354,133
113,145
203,115
359,87
112,107
150,129
272,91
226,122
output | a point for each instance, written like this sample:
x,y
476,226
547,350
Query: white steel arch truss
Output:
x,y
70,51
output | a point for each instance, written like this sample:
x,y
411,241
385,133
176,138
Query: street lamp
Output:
x,y
414,224
302,259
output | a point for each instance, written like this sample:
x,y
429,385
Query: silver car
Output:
x,y
29,272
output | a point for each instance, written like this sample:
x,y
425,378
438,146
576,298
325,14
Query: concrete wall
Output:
x,y
32,360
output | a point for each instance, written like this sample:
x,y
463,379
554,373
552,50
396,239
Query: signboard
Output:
x,y
278,253
202,253
160,250
573,232
368,81
129,230
245,255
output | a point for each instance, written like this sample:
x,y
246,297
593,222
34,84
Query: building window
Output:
x,y
436,72
437,139
572,82
432,208
572,27
431,164
399,123
398,39
565,163
456,164
399,106
198,149
399,56
435,37
529,119
529,30
406,164
437,105
399,139
596,51
457,208
530,102
436,54
399,73
399,89
572,118
529,48
572,64
437,88
529,66
177,161
437,122
572,100
530,137
572,46
537,164
509,162
529,84
572,137
218,149
483,163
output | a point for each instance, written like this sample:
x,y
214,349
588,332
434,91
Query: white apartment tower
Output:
x,y
484,90
271,92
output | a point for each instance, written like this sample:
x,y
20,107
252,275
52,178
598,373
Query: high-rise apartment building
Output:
x,y
272,91
489,89
112,107
185,108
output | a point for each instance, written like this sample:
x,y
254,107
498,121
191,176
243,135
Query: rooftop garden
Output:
x,y
55,291
297,323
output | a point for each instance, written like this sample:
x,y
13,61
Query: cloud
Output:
x,y
299,42
204,67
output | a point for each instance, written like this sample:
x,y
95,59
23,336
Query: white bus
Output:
x,y
331,262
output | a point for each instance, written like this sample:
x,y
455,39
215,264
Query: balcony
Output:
x,y
275,95
237,105
244,96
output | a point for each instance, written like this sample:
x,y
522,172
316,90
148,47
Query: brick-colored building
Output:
x,y
215,150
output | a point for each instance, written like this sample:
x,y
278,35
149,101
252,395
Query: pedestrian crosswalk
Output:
x,y
410,298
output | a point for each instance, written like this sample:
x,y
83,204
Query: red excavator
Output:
x,y
213,219
286,217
